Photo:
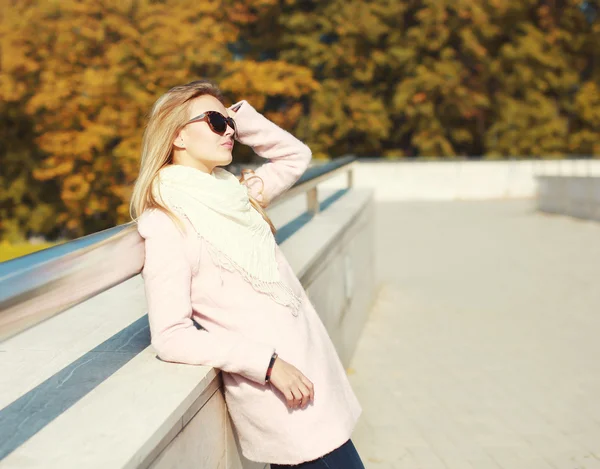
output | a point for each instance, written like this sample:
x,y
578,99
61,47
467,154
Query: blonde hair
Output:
x,y
168,115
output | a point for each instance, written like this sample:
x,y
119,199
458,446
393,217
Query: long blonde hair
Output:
x,y
167,116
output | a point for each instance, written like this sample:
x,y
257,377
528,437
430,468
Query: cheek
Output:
x,y
202,142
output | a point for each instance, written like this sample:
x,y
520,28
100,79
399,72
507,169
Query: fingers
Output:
x,y
305,395
289,397
300,394
297,389
308,383
297,398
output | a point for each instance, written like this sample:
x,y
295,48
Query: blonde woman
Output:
x,y
220,291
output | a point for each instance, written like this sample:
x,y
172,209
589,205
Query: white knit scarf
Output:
x,y
238,237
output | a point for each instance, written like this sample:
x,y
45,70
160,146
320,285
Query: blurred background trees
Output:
x,y
490,78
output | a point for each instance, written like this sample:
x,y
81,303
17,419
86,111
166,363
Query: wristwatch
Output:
x,y
271,363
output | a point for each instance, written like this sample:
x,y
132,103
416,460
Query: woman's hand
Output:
x,y
234,108
231,112
296,387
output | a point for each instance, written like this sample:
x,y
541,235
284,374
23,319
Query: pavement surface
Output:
x,y
483,347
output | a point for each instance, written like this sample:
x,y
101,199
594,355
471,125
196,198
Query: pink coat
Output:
x,y
242,327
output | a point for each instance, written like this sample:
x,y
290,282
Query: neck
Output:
x,y
184,159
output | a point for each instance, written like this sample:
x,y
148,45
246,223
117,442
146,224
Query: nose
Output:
x,y
230,130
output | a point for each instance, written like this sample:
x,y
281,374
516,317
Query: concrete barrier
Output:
x,y
459,179
578,196
85,389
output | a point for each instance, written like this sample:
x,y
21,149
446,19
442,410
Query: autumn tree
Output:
x,y
87,73
493,78
543,81
440,77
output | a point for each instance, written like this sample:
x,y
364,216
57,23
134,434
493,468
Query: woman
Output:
x,y
219,290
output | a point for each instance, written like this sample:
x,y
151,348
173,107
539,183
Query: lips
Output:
x,y
228,145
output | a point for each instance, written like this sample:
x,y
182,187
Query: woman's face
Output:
x,y
197,145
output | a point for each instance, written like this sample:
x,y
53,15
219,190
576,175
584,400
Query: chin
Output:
x,y
225,161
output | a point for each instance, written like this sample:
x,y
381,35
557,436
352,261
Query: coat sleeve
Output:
x,y
167,275
289,157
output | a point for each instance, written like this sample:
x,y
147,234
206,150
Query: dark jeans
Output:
x,y
344,457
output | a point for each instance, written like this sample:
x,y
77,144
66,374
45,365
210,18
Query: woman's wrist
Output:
x,y
248,121
270,369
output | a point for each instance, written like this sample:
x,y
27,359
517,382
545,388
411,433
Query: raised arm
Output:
x,y
288,156
167,275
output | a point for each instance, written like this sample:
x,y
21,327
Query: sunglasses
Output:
x,y
216,121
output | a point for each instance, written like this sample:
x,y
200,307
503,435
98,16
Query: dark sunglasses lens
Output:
x,y
218,122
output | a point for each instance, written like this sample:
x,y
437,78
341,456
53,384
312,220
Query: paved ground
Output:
x,y
483,348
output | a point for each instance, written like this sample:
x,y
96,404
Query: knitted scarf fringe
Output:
x,y
278,291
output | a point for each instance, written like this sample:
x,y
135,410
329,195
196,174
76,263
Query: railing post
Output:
x,y
350,177
312,201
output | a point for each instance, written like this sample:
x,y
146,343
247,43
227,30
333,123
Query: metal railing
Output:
x,y
40,285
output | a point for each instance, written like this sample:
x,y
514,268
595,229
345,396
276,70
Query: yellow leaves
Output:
x,y
97,81
419,98
461,135
529,126
586,140
51,172
255,81
70,142
73,224
403,55
436,77
75,188
471,43
587,102
500,5
121,23
87,75
432,143
123,213
10,89
464,14
51,94
287,118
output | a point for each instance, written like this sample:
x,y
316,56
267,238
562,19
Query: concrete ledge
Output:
x,y
577,196
458,179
